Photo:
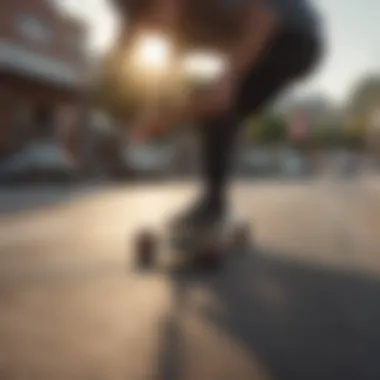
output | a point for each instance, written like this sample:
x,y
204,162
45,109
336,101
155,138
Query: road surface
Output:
x,y
305,305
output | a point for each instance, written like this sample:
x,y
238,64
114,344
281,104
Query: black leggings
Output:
x,y
290,56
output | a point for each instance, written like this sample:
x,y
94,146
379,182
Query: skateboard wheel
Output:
x,y
146,247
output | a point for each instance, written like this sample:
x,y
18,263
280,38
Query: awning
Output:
x,y
19,60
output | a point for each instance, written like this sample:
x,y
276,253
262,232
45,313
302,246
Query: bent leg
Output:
x,y
288,57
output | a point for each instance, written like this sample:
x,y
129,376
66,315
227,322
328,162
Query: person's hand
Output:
x,y
212,101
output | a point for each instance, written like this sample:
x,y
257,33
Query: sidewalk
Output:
x,y
21,198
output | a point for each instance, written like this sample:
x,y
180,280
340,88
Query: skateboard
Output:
x,y
207,247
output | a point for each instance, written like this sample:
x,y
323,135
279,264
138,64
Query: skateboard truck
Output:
x,y
208,248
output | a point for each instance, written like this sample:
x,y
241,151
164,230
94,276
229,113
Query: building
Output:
x,y
42,65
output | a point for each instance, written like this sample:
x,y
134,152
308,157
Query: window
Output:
x,y
21,118
33,28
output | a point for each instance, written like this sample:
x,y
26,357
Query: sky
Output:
x,y
352,29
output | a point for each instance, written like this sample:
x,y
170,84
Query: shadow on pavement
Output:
x,y
301,321
172,354
29,198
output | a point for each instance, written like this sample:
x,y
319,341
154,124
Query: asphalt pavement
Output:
x,y
305,304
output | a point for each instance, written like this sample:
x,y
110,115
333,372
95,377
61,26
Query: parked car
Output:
x,y
38,162
149,161
256,163
293,165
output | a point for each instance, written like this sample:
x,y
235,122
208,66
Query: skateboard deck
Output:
x,y
210,244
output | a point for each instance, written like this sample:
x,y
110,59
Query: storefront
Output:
x,y
30,83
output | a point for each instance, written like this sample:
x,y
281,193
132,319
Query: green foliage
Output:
x,y
274,129
266,130
365,95
251,128
351,135
356,132
329,137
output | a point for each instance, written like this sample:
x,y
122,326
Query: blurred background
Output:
x,y
56,54
74,190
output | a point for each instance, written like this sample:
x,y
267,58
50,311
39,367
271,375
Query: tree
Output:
x,y
251,129
267,129
273,129
356,132
328,136
365,95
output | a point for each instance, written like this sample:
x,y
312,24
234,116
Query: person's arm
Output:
x,y
259,24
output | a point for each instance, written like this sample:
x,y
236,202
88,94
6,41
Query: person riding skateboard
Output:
x,y
270,44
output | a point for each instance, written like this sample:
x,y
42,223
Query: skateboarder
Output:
x,y
269,44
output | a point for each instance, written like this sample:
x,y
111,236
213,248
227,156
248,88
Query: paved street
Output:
x,y
304,305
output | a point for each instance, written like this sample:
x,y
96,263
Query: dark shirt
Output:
x,y
298,15
217,22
